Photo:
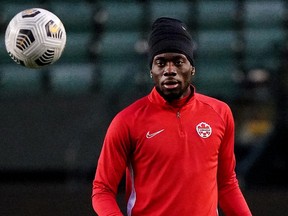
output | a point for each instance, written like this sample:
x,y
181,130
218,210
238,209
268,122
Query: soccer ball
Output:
x,y
35,38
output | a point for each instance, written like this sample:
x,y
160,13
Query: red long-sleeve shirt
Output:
x,y
179,159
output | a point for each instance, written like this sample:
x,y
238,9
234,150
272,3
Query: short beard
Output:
x,y
171,96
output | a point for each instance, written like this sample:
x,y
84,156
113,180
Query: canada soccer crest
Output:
x,y
204,130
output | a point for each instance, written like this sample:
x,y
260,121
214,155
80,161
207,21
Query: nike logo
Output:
x,y
150,135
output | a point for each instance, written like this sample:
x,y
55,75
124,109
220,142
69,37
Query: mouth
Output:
x,y
170,84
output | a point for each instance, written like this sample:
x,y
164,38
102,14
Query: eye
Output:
x,y
178,62
160,62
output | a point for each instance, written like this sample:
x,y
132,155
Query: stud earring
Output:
x,y
193,71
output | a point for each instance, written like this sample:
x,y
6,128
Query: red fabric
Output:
x,y
174,171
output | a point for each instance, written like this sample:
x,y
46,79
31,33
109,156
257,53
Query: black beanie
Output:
x,y
170,35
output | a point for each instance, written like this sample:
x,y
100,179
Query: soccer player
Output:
x,y
176,145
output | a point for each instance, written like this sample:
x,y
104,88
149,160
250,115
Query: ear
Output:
x,y
192,70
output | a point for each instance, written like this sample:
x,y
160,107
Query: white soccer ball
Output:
x,y
35,38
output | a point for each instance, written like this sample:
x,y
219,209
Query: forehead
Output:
x,y
169,55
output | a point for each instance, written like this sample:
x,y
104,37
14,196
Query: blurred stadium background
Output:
x,y
53,120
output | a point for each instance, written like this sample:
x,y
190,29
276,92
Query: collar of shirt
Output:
x,y
156,98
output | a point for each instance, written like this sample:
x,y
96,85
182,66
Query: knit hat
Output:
x,y
170,35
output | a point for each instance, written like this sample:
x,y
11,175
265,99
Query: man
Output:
x,y
176,145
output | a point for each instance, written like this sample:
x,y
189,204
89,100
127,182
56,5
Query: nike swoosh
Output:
x,y
148,135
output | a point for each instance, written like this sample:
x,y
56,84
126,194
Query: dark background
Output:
x,y
53,120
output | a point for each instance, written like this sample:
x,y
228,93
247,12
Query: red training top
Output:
x,y
179,159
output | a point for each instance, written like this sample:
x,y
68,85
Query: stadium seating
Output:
x,y
217,15
71,79
215,49
175,9
216,78
76,49
215,43
17,80
263,32
102,52
122,16
77,19
119,46
264,14
262,47
4,57
76,16
125,25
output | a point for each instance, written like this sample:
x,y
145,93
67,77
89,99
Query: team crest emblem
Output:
x,y
204,130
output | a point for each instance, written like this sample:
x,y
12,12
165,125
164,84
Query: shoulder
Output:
x,y
125,120
210,100
219,106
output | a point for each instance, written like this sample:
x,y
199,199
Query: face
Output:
x,y
172,74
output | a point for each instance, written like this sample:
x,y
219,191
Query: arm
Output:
x,y
231,199
110,169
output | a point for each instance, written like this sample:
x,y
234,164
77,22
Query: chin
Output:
x,y
171,96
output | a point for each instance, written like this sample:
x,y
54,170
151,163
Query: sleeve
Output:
x,y
231,199
111,167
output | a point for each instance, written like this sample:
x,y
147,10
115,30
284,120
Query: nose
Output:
x,y
170,69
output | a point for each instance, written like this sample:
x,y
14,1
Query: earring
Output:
x,y
151,75
193,71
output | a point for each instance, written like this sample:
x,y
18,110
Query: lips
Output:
x,y
170,84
